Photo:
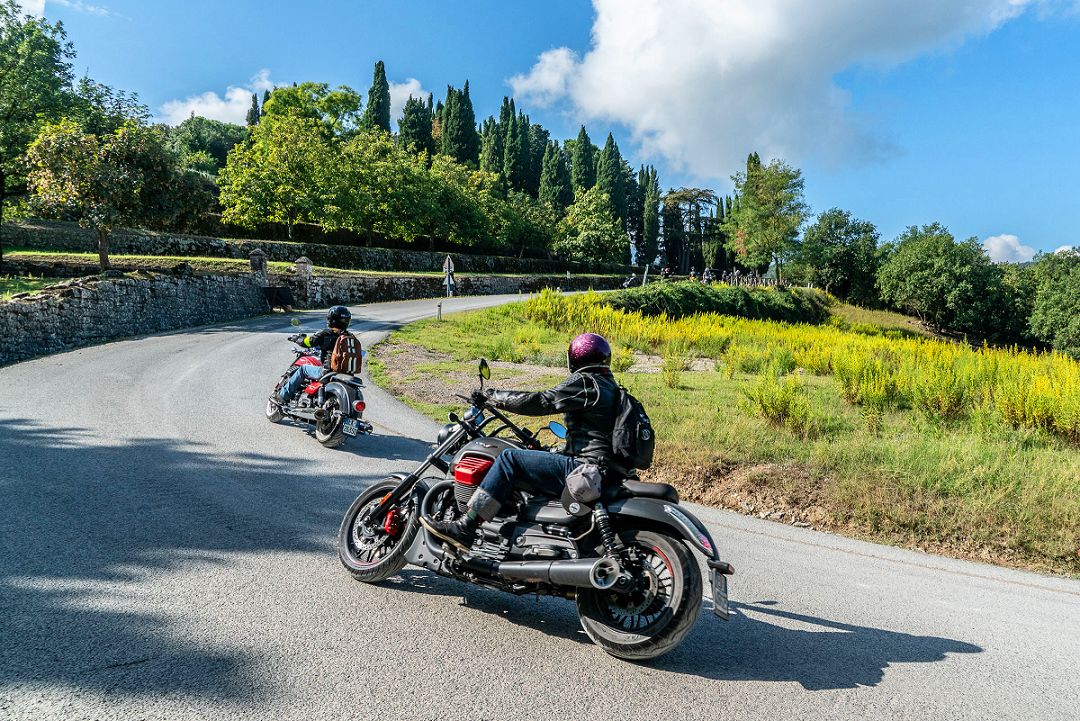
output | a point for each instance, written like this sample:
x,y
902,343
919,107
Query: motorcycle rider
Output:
x,y
337,322
589,400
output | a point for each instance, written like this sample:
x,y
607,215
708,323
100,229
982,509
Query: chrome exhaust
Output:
x,y
598,573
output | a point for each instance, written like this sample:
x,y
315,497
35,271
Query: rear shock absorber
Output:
x,y
612,544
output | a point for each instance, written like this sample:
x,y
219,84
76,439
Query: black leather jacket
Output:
x,y
588,401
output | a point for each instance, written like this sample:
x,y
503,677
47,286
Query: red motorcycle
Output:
x,y
334,403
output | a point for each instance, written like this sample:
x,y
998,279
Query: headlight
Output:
x,y
445,433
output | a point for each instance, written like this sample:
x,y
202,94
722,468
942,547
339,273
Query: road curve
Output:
x,y
167,553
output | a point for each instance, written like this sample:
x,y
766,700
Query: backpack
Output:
x,y
346,356
633,439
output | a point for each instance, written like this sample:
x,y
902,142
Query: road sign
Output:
x,y
448,265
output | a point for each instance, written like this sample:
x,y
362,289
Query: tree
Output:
x,y
649,245
337,109
537,146
839,254
35,88
690,209
555,188
491,147
516,153
377,114
253,113
611,178
1055,315
128,177
204,144
280,174
590,232
583,162
764,226
949,285
414,127
460,140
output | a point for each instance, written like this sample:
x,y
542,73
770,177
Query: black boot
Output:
x,y
460,533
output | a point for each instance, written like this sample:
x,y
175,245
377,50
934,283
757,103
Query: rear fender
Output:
x,y
669,515
344,394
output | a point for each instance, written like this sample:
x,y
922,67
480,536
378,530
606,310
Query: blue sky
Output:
x,y
902,112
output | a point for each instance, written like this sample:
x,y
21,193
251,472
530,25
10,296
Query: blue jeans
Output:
x,y
300,374
531,471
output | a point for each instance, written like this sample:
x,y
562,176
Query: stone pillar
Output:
x,y
304,282
258,267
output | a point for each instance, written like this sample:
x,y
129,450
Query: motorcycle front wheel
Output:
x,y
658,613
273,411
374,550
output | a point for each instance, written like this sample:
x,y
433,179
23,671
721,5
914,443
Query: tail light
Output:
x,y
359,406
470,470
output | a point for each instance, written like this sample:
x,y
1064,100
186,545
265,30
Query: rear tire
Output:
x,y
273,411
642,627
370,553
330,432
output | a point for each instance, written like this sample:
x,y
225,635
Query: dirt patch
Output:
x,y
644,363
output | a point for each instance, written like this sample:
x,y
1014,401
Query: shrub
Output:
x,y
781,401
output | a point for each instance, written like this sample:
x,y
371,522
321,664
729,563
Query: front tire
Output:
x,y
371,552
656,616
330,431
273,411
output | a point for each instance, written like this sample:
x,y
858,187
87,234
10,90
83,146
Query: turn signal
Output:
x,y
359,406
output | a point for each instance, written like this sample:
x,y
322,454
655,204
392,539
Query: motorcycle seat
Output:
x,y
342,378
640,489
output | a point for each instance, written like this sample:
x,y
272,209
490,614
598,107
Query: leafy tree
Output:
x,y
764,226
590,232
555,188
337,109
279,174
101,110
691,209
460,140
583,162
35,88
611,178
197,139
649,242
377,114
527,224
839,254
1055,315
414,127
265,97
253,113
128,177
949,285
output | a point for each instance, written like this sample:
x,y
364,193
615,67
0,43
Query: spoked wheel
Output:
x,y
374,549
330,431
273,411
658,612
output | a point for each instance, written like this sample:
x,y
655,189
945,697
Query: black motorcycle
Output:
x,y
624,559
334,403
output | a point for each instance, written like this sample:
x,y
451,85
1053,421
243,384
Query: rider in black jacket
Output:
x,y
589,400
337,322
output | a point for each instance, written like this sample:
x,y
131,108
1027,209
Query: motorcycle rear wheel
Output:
x,y
655,619
372,553
330,431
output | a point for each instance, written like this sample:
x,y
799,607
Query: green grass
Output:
x,y
977,488
877,322
12,284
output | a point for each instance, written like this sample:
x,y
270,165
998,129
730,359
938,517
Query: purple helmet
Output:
x,y
588,349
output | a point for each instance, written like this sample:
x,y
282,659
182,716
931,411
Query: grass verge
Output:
x,y
12,284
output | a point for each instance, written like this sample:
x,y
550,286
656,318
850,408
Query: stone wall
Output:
x,y
70,237
86,311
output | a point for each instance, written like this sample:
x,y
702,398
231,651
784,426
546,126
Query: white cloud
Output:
x,y
1066,249
80,7
232,108
1007,249
702,83
400,92
33,7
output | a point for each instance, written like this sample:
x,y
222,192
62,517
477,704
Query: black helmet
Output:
x,y
588,349
338,317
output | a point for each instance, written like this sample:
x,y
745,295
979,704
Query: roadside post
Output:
x,y
438,311
645,276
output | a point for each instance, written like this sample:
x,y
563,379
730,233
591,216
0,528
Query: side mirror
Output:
x,y
558,429
295,322
485,370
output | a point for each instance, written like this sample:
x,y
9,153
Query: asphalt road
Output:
x,y
166,553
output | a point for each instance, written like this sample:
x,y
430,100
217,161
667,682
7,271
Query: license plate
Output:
x,y
719,594
351,427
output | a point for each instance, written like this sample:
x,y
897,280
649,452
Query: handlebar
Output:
x,y
523,435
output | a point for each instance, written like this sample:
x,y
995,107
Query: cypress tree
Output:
x,y
610,178
377,114
253,112
583,162
515,153
459,137
414,126
538,143
266,96
491,147
650,217
555,187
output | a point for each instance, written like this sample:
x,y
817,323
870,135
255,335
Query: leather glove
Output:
x,y
479,398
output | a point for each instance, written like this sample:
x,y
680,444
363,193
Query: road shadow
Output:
x,y
83,517
764,643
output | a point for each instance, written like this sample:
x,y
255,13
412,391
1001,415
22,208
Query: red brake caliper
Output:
x,y
392,522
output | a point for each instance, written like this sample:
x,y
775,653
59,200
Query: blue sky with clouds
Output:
x,y
902,111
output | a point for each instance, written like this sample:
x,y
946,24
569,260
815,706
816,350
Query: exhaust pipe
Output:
x,y
599,573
